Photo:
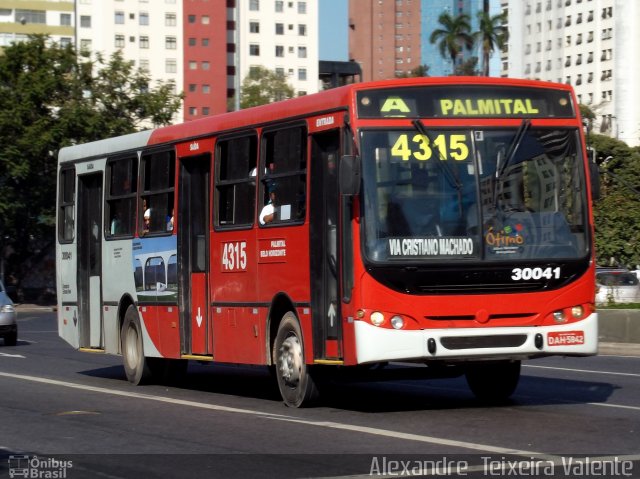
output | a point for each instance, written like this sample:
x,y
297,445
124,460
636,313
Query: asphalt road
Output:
x,y
73,414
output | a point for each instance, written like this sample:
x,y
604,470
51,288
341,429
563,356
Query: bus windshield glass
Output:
x,y
499,194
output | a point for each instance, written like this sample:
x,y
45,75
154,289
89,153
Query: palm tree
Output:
x,y
492,34
453,36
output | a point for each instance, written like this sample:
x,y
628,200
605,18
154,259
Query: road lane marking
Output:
x,y
608,373
12,355
621,406
281,417
408,436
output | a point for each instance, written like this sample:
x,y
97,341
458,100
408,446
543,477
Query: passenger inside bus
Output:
x,y
146,217
147,220
170,221
268,213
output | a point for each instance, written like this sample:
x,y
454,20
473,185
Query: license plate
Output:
x,y
565,338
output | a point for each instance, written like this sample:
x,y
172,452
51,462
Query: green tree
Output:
x,y
52,97
491,35
468,68
588,116
453,36
617,212
263,86
419,71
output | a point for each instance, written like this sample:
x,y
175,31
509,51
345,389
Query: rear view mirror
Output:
x,y
350,175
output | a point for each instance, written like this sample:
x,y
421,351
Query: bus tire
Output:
x,y
296,385
493,381
136,366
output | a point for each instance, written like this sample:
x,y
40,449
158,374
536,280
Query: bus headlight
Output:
x,y
377,318
397,322
559,317
577,312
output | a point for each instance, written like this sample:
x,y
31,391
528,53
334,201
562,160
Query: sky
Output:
x,y
333,39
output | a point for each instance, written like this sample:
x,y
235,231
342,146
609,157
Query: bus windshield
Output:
x,y
473,194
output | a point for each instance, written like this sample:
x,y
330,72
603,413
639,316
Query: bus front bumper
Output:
x,y
375,344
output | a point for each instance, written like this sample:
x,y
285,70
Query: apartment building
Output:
x,y
207,36
385,37
20,18
204,47
280,35
392,37
147,32
592,45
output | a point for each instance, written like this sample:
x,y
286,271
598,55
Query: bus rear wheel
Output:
x,y
493,381
136,366
294,381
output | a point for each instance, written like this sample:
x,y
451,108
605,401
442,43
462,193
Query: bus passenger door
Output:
x,y
324,245
193,253
90,261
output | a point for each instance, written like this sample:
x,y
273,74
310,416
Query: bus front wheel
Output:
x,y
493,381
136,366
294,381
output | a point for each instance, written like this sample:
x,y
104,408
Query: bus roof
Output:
x,y
105,147
325,101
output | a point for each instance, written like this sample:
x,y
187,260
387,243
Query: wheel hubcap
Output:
x,y
290,361
131,347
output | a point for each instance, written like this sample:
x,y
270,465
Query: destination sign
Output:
x,y
465,101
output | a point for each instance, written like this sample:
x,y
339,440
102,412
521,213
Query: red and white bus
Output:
x,y
439,221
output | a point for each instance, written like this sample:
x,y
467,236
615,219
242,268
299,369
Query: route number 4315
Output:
x,y
526,274
234,256
419,147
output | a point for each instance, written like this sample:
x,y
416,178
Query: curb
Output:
x,y
619,349
34,307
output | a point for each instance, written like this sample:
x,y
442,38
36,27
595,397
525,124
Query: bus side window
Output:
x,y
157,195
66,202
122,178
285,163
235,181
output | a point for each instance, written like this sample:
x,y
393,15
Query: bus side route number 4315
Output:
x,y
234,256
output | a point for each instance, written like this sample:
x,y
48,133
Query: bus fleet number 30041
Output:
x,y
526,274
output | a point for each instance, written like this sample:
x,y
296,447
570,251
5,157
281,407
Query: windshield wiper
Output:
x,y
442,162
510,155
514,146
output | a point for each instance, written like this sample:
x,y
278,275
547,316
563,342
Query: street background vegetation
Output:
x,y
52,97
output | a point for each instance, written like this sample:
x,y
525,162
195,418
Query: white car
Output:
x,y
617,286
8,319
